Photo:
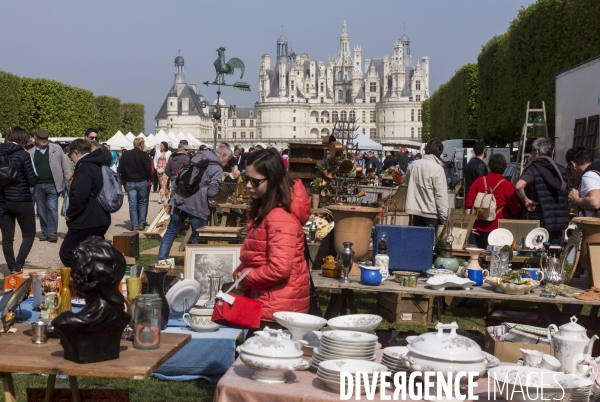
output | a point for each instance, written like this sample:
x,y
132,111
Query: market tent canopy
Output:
x,y
130,136
173,138
162,136
364,143
402,143
119,141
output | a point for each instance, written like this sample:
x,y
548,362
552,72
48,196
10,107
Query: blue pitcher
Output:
x,y
370,276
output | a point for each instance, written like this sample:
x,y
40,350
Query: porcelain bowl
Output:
x,y
298,323
421,363
199,320
529,379
270,369
355,322
512,288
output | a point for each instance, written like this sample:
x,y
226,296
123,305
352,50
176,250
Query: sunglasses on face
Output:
x,y
254,182
93,138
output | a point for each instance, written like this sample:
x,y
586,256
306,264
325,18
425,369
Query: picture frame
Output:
x,y
518,227
202,260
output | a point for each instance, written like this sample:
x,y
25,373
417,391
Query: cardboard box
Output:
x,y
508,352
404,308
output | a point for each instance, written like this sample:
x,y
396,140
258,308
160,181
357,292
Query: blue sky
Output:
x,y
126,48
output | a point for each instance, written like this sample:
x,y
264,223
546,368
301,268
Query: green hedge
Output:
x,y
426,107
132,115
9,101
520,65
453,107
63,110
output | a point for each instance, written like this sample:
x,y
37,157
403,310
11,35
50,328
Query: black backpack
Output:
x,y
9,175
190,176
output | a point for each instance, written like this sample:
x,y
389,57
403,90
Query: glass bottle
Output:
x,y
156,279
382,260
147,321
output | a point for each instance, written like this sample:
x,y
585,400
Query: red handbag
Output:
x,y
236,311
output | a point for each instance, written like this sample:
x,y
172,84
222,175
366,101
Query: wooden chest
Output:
x,y
128,243
404,308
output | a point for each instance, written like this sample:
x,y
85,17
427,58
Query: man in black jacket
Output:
x,y
91,134
389,161
476,166
135,171
85,217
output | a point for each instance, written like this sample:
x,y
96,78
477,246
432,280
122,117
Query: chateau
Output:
x,y
300,99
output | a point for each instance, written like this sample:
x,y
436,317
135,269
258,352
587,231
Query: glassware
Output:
x,y
156,279
147,321
347,257
496,265
215,286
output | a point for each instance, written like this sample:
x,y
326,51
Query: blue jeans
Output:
x,y
177,218
136,194
46,199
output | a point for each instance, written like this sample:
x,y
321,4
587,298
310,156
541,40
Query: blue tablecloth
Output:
x,y
208,355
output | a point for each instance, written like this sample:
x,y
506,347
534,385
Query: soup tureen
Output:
x,y
271,353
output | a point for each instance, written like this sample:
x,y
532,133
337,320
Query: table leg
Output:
x,y
50,388
334,306
74,389
351,303
9,388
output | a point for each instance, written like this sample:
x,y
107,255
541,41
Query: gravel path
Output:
x,y
45,255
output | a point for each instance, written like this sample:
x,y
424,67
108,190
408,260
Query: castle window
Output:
x,y
364,116
233,135
412,114
171,103
412,132
343,115
251,134
219,136
307,88
419,131
418,85
292,99
418,98
340,95
294,119
243,134
292,85
373,87
334,116
372,117
294,110
352,115
171,119
372,99
419,115
234,123
252,123
321,99
242,123
322,87
259,115
373,132
349,96
294,128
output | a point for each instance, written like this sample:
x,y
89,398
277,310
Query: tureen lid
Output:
x,y
264,344
571,326
446,346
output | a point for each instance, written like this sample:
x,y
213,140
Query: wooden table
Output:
x,y
343,293
19,355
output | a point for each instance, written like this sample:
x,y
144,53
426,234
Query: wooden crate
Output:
x,y
404,308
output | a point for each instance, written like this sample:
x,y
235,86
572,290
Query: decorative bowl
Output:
x,y
272,356
512,288
438,271
199,320
520,383
442,282
355,322
298,323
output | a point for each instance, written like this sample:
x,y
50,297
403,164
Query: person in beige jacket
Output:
x,y
427,196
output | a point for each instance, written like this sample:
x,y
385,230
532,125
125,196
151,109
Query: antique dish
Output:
x,y
437,271
445,352
355,322
512,288
272,356
536,238
298,323
182,296
442,282
557,386
500,237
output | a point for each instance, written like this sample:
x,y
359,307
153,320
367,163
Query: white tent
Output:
x,y
130,136
192,140
181,136
173,138
364,143
119,141
142,135
162,136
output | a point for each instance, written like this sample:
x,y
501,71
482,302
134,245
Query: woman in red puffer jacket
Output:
x,y
274,246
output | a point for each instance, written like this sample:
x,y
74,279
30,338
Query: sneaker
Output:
x,y
52,239
141,228
43,238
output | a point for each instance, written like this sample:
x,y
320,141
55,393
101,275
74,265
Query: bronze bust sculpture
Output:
x,y
94,334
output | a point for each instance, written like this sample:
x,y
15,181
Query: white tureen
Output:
x,y
445,352
271,354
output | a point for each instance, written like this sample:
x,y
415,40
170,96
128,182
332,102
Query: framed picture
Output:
x,y
460,238
203,260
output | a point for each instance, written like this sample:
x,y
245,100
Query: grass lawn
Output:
x,y
469,316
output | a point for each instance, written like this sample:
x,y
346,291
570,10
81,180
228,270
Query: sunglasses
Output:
x,y
254,182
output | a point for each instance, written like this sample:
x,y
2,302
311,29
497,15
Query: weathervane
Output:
x,y
222,68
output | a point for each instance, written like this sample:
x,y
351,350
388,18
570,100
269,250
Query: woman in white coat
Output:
x,y
161,158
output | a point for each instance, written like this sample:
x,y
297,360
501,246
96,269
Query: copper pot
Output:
x,y
359,172
346,166
335,149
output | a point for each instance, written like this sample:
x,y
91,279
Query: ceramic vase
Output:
x,y
65,291
156,279
353,224
474,261
590,228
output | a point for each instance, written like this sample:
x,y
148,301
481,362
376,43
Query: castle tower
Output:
x,y
179,75
344,41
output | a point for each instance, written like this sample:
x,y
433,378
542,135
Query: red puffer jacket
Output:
x,y
275,251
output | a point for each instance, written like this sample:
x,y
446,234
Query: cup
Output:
x,y
133,288
477,275
39,332
550,363
532,358
199,320
533,273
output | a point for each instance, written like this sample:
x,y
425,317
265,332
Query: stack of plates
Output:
x,y
330,371
391,359
345,345
581,394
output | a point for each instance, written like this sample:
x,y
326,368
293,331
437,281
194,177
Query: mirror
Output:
x,y
570,255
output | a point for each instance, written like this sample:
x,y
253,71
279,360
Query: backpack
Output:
x,y
9,175
190,176
484,206
110,196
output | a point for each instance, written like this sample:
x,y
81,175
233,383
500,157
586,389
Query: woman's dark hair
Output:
x,y
80,145
497,163
17,135
165,144
269,164
434,147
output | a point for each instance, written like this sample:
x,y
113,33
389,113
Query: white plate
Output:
x,y
354,347
350,336
441,282
183,294
355,322
536,238
395,352
352,366
500,237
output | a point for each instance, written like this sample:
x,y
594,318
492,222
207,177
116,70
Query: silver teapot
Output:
x,y
554,274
